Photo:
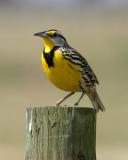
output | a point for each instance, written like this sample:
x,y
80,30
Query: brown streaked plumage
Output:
x,y
67,69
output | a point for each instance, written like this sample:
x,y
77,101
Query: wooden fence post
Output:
x,y
60,133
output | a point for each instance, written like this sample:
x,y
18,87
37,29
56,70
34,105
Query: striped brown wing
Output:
x,y
76,58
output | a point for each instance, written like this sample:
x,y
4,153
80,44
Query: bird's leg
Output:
x,y
76,104
63,99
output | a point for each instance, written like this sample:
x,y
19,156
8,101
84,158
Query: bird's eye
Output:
x,y
55,34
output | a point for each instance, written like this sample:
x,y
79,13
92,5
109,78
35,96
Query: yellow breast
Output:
x,y
64,74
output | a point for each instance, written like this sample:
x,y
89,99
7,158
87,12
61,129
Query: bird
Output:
x,y
67,69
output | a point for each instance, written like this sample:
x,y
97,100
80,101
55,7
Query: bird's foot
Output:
x,y
76,104
66,105
58,103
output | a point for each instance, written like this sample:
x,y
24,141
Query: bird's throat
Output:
x,y
48,45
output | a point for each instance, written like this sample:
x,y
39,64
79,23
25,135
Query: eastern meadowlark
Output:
x,y
67,69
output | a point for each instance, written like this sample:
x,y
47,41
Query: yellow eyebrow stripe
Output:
x,y
51,32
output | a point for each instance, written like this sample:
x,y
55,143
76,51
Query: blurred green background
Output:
x,y
99,30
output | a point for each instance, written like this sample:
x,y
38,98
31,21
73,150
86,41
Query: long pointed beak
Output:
x,y
41,34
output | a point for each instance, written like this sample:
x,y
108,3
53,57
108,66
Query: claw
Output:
x,y
65,105
76,104
57,103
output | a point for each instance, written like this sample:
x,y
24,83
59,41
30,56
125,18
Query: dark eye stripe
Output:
x,y
62,37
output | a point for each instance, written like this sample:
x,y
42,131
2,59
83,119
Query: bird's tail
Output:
x,y
95,100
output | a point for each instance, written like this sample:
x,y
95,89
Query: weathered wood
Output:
x,y
61,133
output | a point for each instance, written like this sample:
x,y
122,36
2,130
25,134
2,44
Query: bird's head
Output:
x,y
51,38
